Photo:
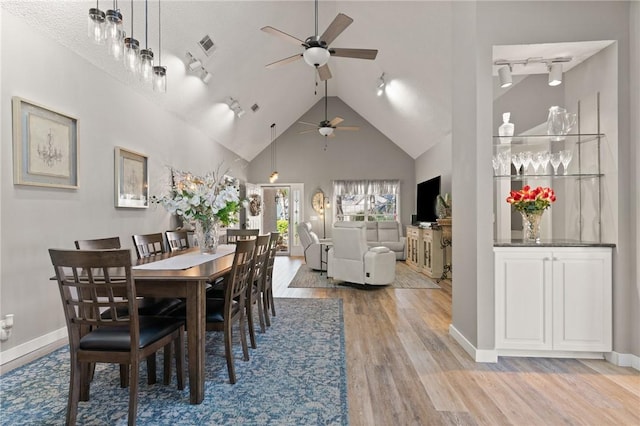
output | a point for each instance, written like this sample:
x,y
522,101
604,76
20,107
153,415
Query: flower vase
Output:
x,y
207,235
531,225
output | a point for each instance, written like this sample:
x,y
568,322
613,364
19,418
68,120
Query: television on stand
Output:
x,y
427,200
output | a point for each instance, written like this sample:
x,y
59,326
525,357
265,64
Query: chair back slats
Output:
x,y
235,235
241,272
98,244
272,249
261,257
177,240
149,245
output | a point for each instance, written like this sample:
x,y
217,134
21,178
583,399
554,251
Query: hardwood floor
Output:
x,y
404,369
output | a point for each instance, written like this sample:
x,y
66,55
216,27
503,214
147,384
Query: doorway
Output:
x,y
281,213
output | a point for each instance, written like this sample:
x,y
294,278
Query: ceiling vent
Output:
x,y
207,45
255,107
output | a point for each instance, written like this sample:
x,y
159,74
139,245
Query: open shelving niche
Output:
x,y
576,214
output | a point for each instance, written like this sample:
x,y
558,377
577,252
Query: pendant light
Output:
x,y
131,50
146,55
95,24
274,175
159,72
114,33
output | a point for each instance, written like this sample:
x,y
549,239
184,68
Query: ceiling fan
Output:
x,y
327,127
316,48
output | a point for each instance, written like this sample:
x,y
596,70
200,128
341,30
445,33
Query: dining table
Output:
x,y
186,274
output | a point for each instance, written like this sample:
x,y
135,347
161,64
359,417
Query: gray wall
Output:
x,y
362,154
35,219
634,176
499,23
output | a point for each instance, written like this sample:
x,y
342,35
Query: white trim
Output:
x,y
623,360
32,345
478,355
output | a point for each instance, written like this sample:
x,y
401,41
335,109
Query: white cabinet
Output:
x,y
556,299
424,251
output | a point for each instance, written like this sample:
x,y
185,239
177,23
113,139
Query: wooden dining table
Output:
x,y
190,284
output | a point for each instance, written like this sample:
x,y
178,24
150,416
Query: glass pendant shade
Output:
x,y
316,56
131,54
116,45
113,25
95,25
146,65
160,79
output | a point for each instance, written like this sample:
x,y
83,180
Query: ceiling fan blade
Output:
x,y
282,35
284,61
336,121
348,128
332,135
339,24
354,53
324,72
307,131
308,124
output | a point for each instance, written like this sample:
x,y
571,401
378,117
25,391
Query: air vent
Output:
x,y
207,45
255,107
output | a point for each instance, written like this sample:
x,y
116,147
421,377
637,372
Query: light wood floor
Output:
x,y
404,369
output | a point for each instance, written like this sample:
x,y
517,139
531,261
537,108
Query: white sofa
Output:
x,y
386,234
352,260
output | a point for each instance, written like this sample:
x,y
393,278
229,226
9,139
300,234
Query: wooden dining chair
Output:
x,y
235,235
89,282
148,244
177,240
254,291
267,286
98,244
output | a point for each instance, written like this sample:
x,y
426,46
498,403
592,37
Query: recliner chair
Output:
x,y
350,259
315,254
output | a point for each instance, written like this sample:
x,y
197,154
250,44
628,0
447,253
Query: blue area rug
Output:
x,y
296,376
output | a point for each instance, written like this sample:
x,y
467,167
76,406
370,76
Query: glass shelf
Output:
x,y
549,176
535,139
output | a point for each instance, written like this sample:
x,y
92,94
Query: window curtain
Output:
x,y
364,187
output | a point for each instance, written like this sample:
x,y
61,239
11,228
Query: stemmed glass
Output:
x,y
495,162
544,161
565,157
516,159
526,160
505,162
555,161
535,162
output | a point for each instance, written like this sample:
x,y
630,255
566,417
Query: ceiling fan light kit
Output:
x,y
326,131
316,56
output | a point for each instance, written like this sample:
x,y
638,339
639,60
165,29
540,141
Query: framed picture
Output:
x,y
131,179
45,146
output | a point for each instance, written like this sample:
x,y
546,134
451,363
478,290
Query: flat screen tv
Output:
x,y
427,200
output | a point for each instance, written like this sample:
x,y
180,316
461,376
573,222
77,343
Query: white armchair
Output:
x,y
350,258
315,253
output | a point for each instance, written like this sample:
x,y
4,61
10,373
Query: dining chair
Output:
x,y
234,235
267,286
98,244
254,291
177,240
90,281
148,244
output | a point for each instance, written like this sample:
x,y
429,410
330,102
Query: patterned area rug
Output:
x,y
405,278
296,376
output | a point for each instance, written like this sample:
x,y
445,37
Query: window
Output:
x,y
366,200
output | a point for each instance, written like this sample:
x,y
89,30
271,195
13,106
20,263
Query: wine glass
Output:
x,y
544,161
565,157
505,162
516,159
526,160
495,162
535,162
554,158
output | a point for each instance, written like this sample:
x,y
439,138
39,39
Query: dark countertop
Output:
x,y
550,243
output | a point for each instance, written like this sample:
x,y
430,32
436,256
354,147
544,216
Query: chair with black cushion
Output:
x,y
89,282
254,291
149,244
267,286
234,235
177,240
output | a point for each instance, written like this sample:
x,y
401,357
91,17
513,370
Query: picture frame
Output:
x,y
45,146
131,179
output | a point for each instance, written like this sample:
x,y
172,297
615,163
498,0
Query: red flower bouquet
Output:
x,y
529,200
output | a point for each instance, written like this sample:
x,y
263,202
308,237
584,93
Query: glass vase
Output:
x,y
531,225
207,235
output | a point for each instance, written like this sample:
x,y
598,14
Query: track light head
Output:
x,y
555,73
193,63
505,76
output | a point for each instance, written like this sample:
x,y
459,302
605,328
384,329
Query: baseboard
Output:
x,y
32,345
478,355
623,360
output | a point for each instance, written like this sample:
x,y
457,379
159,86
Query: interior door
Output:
x,y
281,213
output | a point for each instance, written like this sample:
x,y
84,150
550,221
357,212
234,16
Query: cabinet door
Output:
x,y
523,299
582,300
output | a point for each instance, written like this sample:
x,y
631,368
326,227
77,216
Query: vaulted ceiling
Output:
x,y
413,40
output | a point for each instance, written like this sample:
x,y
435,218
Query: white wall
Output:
x,y
634,193
500,23
34,219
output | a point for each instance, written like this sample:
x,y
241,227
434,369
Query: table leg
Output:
x,y
196,328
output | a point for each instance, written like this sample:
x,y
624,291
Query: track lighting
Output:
x,y
194,63
205,76
555,74
234,106
505,76
553,66
381,85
